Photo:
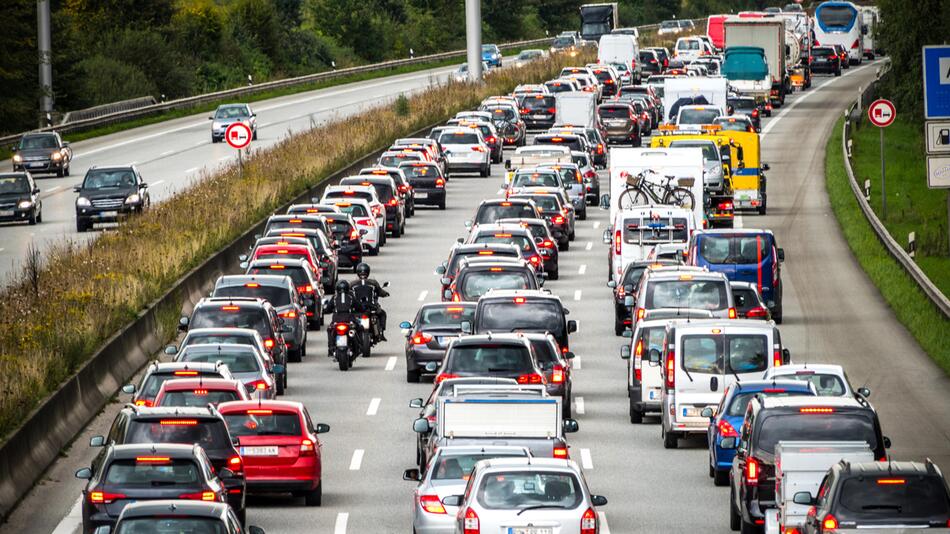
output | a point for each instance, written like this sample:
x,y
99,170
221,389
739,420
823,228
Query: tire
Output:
x,y
711,471
413,377
571,236
373,252
567,245
567,410
680,196
39,217
632,197
60,173
485,171
66,170
294,356
383,238
367,345
315,497
554,275
442,205
734,519
838,72
242,515
618,325
343,363
254,137
397,230
281,384
670,440
214,139
583,215
33,219
749,528
81,226
636,416
720,478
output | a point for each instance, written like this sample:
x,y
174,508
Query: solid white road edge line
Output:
x,y
73,520
422,296
373,406
357,460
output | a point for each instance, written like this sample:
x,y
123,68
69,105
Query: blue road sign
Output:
x,y
937,82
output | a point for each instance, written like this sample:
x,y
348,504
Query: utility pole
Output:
x,y
45,62
473,38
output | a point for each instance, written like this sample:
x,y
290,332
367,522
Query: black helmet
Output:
x,y
343,285
362,270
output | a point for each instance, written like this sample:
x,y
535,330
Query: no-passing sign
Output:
x,y
238,135
882,113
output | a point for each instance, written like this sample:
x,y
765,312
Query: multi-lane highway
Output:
x,y
173,154
832,314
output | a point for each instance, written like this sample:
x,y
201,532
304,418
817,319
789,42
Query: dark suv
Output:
x,y
386,190
108,194
477,277
157,516
20,198
303,276
191,426
770,420
629,282
524,311
825,59
878,497
280,292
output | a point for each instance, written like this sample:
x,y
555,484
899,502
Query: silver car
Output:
x,y
228,114
244,362
447,474
527,496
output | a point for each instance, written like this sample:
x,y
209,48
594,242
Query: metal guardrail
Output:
x,y
236,92
939,300
107,109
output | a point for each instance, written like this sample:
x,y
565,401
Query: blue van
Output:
x,y
743,255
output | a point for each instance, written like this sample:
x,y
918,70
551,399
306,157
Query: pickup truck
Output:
x,y
42,153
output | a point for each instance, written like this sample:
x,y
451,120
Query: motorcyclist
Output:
x,y
370,298
344,306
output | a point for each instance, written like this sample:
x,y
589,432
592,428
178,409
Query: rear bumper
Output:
x,y
417,358
429,197
746,199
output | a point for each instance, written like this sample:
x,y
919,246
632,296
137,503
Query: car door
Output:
x,y
700,360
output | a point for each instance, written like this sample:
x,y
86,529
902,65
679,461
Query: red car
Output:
x,y
200,392
269,252
279,447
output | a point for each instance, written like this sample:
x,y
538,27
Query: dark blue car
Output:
x,y
728,418
491,54
743,255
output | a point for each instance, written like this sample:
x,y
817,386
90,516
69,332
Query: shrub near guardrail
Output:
x,y
55,316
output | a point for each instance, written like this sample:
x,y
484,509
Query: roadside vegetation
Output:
x,y
913,309
55,316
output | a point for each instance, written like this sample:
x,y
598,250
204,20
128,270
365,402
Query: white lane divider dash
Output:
x,y
596,225
191,170
391,363
357,460
579,405
590,245
422,295
341,519
576,362
582,269
577,294
604,528
167,152
156,182
586,460
373,406
51,189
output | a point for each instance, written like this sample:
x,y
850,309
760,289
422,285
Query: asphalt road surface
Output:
x,y
832,314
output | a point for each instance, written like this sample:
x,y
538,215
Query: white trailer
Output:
x,y
578,108
674,89
681,163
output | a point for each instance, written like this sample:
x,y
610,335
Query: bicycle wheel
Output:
x,y
632,196
680,196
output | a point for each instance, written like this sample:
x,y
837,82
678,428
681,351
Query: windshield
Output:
x,y
205,339
538,103
669,24
231,112
688,44
340,228
209,433
198,398
153,474
822,51
488,358
709,149
501,113
489,213
109,179
542,315
218,317
343,195
839,17
457,258
33,142
277,296
719,354
448,316
563,42
743,249
171,525
478,283
524,242
459,138
594,28
740,401
237,362
826,384
513,490
460,466
896,498
489,48
297,274
615,112
14,184
263,423
699,294
815,427
545,202
697,116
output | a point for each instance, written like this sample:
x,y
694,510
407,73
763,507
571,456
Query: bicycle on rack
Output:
x,y
640,191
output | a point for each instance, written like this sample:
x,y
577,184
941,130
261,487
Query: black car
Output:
x,y
348,235
545,241
179,516
524,311
773,419
746,106
427,182
608,81
449,268
306,281
494,356
107,194
879,496
489,211
650,62
404,188
628,287
826,59
42,153
475,278
537,110
126,474
388,194
556,366
433,328
20,198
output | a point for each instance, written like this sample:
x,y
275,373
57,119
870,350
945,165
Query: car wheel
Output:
x,y
281,384
242,515
566,246
619,327
372,252
749,528
571,236
39,217
720,477
670,440
567,409
32,220
81,226
734,519
294,355
636,416
583,215
214,139
397,230
554,275
60,173
838,72
66,170
442,205
413,377
315,497
254,137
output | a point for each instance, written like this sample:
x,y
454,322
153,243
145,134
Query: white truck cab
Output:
x,y
636,232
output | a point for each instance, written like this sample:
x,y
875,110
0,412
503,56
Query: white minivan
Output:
x,y
636,231
623,49
689,48
704,357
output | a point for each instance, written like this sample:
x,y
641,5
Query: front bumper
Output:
x,y
16,214
107,215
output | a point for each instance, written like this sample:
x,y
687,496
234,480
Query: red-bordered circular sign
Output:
x,y
238,135
882,113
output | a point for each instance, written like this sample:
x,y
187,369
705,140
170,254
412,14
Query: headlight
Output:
x,y
56,156
133,199
83,202
25,204
17,158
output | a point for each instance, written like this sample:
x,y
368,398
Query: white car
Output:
x,y
362,213
691,118
461,74
228,114
638,230
689,48
466,150
336,193
829,380
527,495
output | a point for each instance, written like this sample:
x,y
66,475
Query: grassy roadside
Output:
x,y
912,308
911,206
56,316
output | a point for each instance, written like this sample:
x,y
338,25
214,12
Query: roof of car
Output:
x,y
801,402
527,293
244,302
889,468
182,384
244,279
747,385
174,450
449,305
169,367
476,263
221,330
671,274
547,463
499,338
189,412
725,325
448,450
805,367
237,406
495,227
475,247
174,508
734,231
525,220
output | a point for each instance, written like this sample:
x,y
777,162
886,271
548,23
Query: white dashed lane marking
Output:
x,y
373,406
391,363
341,519
586,460
579,405
582,269
357,460
422,296
590,245
596,225
577,294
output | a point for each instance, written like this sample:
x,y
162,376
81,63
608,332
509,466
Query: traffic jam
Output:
x,y
667,144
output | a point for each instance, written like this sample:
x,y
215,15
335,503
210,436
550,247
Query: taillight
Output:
x,y
440,182
560,451
590,174
470,522
732,313
644,116
444,376
535,260
829,522
670,368
757,312
268,343
421,338
431,504
289,314
755,113
776,358
144,402
491,139
552,111
200,496
752,472
600,148
589,522
547,243
531,378
104,497
557,219
557,374
641,313
618,241
235,464
726,430
308,448
638,361
257,385
342,328
305,289
478,148
726,206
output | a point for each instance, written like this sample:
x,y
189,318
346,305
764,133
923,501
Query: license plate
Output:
x,y
692,412
530,530
422,195
653,394
41,164
539,116
109,214
744,197
258,451
364,323
341,341
7,213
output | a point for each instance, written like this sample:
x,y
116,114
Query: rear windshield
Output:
x,y
237,362
542,315
637,231
153,474
745,298
459,138
899,499
198,398
651,338
697,116
171,525
278,296
518,490
478,283
615,112
735,249
489,213
206,339
421,171
395,159
354,210
343,195
523,242
535,179
718,354
291,224
155,380
562,42
489,359
263,423
740,401
340,227
573,142
545,202
298,275
815,427
559,87
742,104
209,433
450,316
687,44
827,385
501,113
538,103
218,317
459,256
709,150
700,294
822,51
460,466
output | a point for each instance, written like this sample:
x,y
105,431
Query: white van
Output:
x,y
689,48
704,357
636,231
620,48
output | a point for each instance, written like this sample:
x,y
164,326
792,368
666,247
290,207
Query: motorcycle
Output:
x,y
369,321
347,346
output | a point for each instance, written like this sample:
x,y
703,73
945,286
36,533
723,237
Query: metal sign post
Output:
x,y
882,113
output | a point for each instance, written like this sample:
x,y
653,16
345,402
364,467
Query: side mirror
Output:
x,y
468,224
421,426
440,269
97,441
628,301
277,369
606,237
128,389
411,475
707,412
431,367
36,190
571,326
804,498
627,333
210,118
225,473
625,352
405,325
386,284
729,443
654,356
77,188
183,323
242,257
85,473
887,442
864,392
781,254
765,167
466,327
322,428
255,530
171,350
452,500
786,357
363,231
243,264
598,500
570,426
508,164
605,202
569,355
415,403
612,284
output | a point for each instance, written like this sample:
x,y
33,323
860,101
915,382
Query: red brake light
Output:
x,y
520,300
178,422
342,328
200,392
470,522
277,267
532,378
726,430
589,522
431,504
557,375
268,343
758,311
393,202
421,338
732,313
557,219
829,522
618,242
560,451
252,284
752,472
289,314
152,459
638,361
305,289
776,358
354,235
816,410
230,308
670,369
444,376
552,110
891,481
439,182
186,373
102,497
535,260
